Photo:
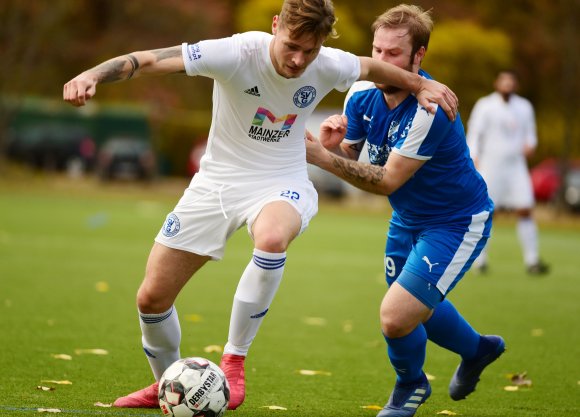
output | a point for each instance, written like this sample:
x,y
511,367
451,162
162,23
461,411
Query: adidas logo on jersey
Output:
x,y
253,91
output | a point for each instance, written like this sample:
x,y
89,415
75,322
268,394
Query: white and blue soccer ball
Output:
x,y
193,387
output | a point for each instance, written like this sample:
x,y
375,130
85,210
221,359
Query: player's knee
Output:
x,y
392,327
271,241
150,302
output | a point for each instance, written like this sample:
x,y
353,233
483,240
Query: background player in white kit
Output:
x,y
254,169
501,135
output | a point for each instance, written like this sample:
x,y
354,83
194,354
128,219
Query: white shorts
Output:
x,y
208,213
509,184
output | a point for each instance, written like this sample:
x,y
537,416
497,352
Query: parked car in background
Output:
x,y
53,146
548,181
126,158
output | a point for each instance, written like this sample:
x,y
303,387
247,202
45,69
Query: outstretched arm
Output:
x,y
426,91
372,178
155,62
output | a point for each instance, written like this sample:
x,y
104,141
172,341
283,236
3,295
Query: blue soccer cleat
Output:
x,y
468,372
406,399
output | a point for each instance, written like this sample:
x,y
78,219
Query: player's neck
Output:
x,y
394,98
506,96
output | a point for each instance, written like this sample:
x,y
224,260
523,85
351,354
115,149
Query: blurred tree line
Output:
x,y
44,43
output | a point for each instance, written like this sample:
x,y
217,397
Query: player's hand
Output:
x,y
431,91
333,131
316,154
80,89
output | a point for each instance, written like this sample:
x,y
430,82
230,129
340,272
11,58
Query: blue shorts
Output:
x,y
439,255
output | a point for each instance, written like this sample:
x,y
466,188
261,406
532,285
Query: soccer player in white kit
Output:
x,y
253,172
501,136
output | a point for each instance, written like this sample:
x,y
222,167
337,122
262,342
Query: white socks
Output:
x,y
253,297
161,339
528,235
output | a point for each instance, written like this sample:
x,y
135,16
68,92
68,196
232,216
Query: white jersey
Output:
x,y
259,117
498,131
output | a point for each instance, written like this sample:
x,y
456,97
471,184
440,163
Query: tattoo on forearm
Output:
x,y
111,71
134,65
358,173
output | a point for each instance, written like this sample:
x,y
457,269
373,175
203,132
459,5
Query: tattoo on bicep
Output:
x,y
167,53
359,173
134,65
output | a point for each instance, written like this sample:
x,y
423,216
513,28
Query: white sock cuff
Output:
x,y
269,260
156,317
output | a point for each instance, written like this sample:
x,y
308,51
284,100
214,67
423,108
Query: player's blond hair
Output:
x,y
414,18
308,17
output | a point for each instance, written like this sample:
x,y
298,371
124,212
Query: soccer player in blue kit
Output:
x,y
441,211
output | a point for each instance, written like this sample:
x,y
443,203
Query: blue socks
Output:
x,y
407,355
448,329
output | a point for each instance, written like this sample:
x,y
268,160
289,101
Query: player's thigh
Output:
x,y
276,226
401,311
397,250
167,271
203,219
443,254
283,205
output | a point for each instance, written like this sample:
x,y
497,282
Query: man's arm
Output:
x,y
372,178
155,62
426,91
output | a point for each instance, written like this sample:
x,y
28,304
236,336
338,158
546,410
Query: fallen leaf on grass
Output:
x,y
511,388
40,387
314,321
430,377
447,413
193,318
102,286
371,407
537,332
49,410
273,407
52,381
62,356
213,348
309,372
520,379
100,404
347,326
91,351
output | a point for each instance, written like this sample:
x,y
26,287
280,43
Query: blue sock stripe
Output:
x,y
148,319
266,263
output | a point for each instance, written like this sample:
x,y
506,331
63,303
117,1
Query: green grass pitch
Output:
x,y
72,256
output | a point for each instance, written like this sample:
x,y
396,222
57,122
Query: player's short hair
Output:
x,y
308,17
417,20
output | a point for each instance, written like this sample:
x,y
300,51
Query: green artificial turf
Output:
x,y
72,255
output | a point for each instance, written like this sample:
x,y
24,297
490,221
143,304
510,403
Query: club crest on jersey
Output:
x,y
171,226
258,132
304,96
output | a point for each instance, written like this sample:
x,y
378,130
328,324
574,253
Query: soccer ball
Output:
x,y
193,387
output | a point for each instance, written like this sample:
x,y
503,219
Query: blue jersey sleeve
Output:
x,y
423,133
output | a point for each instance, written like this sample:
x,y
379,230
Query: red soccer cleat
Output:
x,y
233,367
144,398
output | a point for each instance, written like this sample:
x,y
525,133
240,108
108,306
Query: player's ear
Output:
x,y
275,24
420,55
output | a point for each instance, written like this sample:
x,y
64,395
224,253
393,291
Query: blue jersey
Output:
x,y
447,187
